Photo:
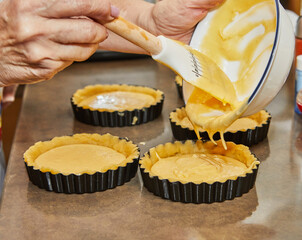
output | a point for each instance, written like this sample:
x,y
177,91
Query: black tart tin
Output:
x,y
199,193
118,118
179,90
248,137
84,183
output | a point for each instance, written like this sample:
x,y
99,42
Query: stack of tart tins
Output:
x,y
82,163
198,172
248,131
117,105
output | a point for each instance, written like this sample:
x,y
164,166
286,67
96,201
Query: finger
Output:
x,y
41,49
115,12
203,4
66,30
46,69
27,73
69,8
79,52
9,94
79,31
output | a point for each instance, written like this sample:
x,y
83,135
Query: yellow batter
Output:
x,y
198,162
236,33
241,124
242,31
198,167
116,97
81,153
78,159
212,115
178,80
118,101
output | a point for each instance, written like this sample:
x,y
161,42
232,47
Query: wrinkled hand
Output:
x,y
176,19
38,38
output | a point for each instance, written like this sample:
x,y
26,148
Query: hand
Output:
x,y
177,19
8,95
39,38
174,19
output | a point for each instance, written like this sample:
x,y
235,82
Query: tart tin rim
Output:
x,y
259,132
259,125
121,111
85,182
119,118
255,166
179,89
203,192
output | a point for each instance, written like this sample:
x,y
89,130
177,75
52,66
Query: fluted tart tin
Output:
x,y
182,129
103,112
192,191
87,180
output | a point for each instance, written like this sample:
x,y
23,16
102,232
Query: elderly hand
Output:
x,y
176,19
39,38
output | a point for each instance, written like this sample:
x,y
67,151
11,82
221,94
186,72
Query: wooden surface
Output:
x,y
271,210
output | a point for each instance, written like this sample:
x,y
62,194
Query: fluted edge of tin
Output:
x,y
248,137
199,193
118,118
179,90
84,183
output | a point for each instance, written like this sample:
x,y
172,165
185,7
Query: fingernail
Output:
x,y
114,11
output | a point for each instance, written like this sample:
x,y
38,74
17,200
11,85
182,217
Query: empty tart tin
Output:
x,y
117,105
248,130
82,163
201,172
178,83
